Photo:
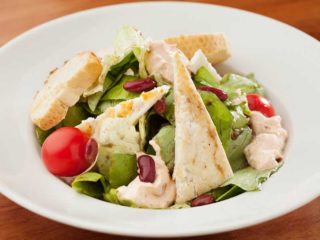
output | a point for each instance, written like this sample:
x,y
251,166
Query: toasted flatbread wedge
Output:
x,y
63,89
201,163
215,46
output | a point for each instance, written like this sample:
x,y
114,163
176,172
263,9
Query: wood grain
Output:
x,y
17,16
17,223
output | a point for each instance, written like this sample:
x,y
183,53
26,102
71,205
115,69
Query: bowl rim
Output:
x,y
309,194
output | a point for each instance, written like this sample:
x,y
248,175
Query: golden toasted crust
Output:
x,y
63,89
215,46
200,160
52,117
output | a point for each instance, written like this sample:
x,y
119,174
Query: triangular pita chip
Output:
x,y
201,163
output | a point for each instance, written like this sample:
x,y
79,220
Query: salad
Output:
x,y
152,124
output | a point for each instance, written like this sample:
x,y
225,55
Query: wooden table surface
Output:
x,y
17,16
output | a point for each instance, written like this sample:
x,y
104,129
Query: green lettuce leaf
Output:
x,y
165,140
129,39
250,179
113,76
236,147
128,62
41,135
239,119
231,82
75,115
223,193
153,124
112,197
90,183
204,77
94,99
245,180
118,92
123,169
118,168
103,105
169,113
220,115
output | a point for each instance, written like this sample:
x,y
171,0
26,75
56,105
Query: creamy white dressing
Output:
x,y
159,61
200,60
159,194
265,150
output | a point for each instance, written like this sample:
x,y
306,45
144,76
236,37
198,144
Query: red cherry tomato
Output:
x,y
260,104
68,152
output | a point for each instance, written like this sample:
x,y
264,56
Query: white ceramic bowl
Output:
x,y
284,59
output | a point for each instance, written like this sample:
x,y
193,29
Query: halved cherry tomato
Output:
x,y
68,152
260,104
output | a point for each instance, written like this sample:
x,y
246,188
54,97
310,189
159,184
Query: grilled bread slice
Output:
x,y
215,46
63,89
201,163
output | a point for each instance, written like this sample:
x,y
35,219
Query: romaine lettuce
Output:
x,y
90,183
235,153
220,115
41,135
118,168
244,180
112,197
165,140
204,77
226,192
231,82
118,92
250,179
75,115
169,113
113,76
129,39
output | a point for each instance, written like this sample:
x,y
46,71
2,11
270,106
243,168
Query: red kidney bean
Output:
x,y
147,168
140,85
160,106
222,95
91,150
202,200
